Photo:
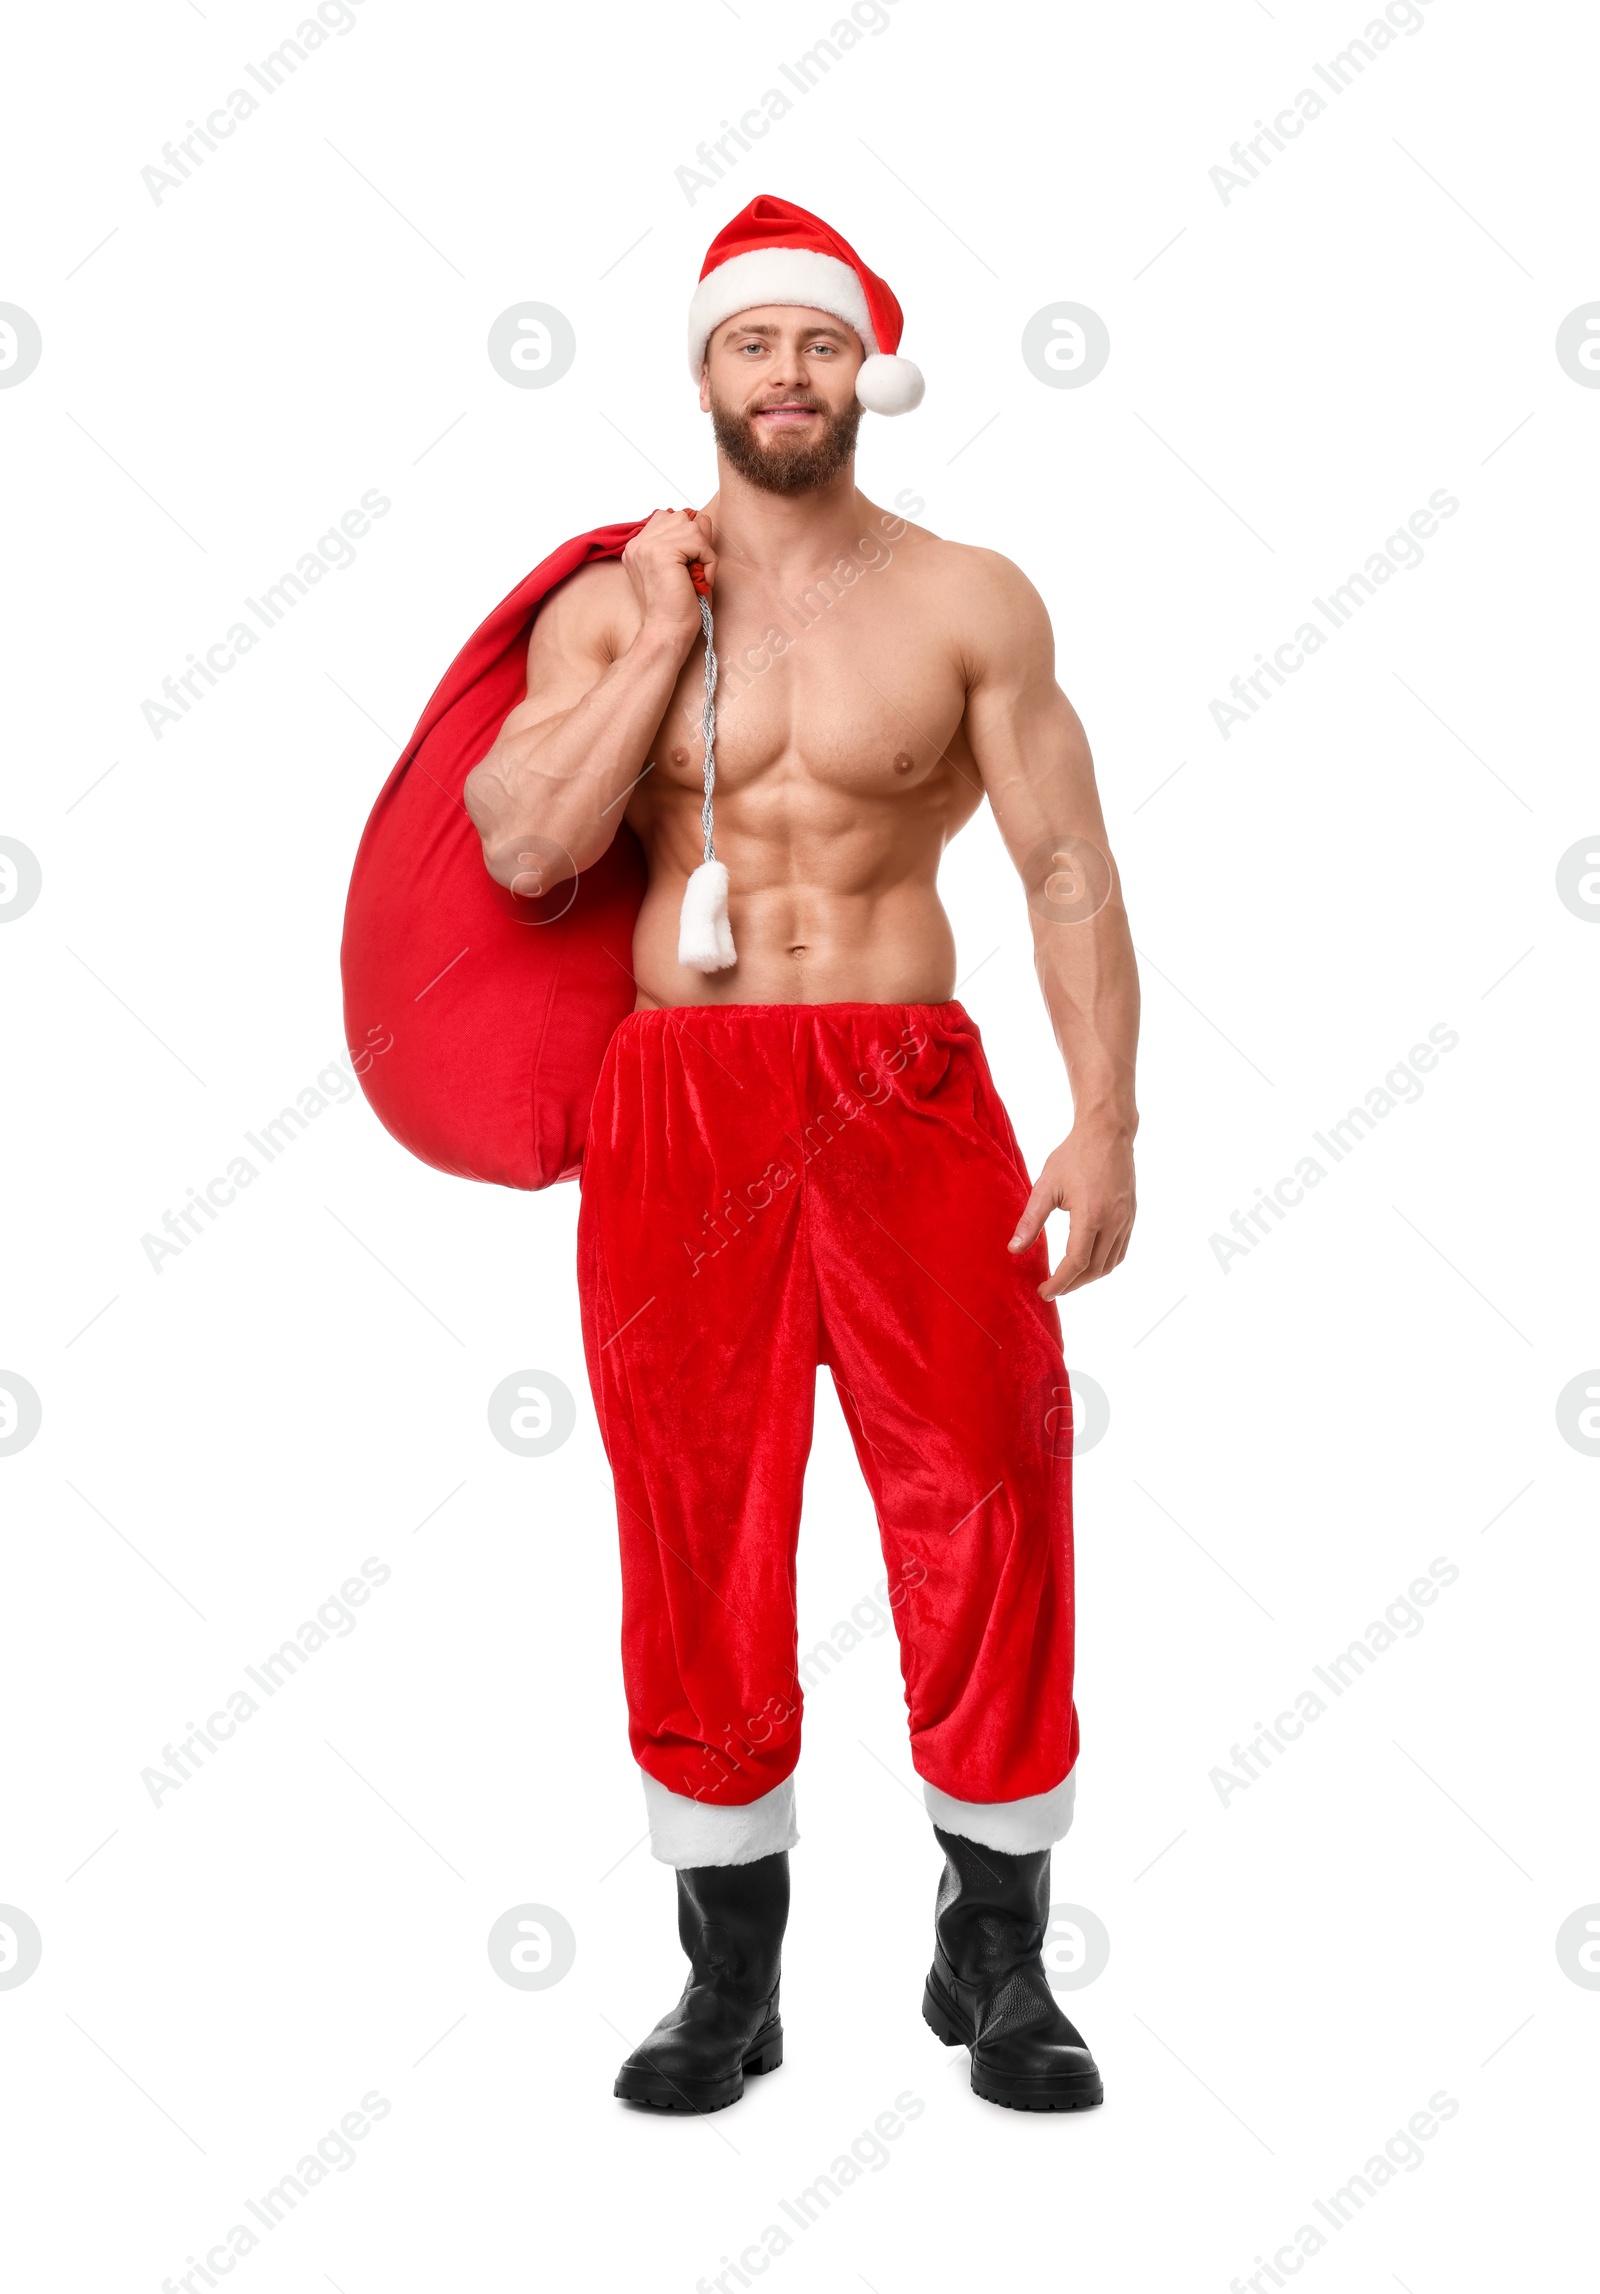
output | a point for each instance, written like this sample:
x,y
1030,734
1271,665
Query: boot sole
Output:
x,y
637,2085
1058,2094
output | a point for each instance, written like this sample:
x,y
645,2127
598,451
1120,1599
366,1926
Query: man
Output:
x,y
796,1154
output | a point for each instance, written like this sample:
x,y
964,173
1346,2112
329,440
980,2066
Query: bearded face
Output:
x,y
786,460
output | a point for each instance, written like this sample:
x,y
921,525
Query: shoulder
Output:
x,y
994,583
974,580
592,593
592,611
987,601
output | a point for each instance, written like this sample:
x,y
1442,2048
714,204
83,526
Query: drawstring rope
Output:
x,y
708,728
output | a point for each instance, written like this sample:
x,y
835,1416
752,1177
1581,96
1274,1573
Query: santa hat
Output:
x,y
776,253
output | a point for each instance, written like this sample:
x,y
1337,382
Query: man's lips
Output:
x,y
785,416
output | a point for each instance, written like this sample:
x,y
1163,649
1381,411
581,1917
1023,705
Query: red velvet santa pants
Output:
x,y
767,1187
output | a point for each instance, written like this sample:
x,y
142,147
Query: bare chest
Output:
x,y
844,683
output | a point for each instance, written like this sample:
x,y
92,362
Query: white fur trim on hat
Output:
x,y
794,275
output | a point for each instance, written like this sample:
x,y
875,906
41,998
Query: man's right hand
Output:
x,y
657,562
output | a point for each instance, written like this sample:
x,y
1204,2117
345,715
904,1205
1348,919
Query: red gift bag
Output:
x,y
498,1009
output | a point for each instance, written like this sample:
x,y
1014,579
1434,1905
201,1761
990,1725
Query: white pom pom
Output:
x,y
705,937
889,385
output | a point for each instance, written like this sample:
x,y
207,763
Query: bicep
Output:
x,y
570,649
1026,737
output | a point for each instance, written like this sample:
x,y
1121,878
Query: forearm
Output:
x,y
1034,757
563,782
1091,989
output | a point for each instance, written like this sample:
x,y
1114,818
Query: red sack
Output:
x,y
498,1009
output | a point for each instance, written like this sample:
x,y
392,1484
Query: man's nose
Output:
x,y
788,370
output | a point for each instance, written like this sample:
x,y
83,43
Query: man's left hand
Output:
x,y
1090,1177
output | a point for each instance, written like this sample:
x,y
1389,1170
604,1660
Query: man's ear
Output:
x,y
705,386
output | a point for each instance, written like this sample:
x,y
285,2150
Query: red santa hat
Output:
x,y
776,253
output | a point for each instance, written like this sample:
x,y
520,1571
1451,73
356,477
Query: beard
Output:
x,y
786,465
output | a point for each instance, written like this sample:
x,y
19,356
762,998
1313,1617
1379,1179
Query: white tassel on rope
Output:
x,y
705,937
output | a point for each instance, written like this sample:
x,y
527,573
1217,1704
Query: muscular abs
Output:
x,y
842,770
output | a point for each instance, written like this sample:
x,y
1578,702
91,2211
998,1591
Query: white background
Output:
x,y
1291,1441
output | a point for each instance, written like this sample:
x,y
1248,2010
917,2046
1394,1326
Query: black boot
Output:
x,y
730,1923
987,1988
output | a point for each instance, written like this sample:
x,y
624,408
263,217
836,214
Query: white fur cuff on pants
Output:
x,y
1015,1827
686,1833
